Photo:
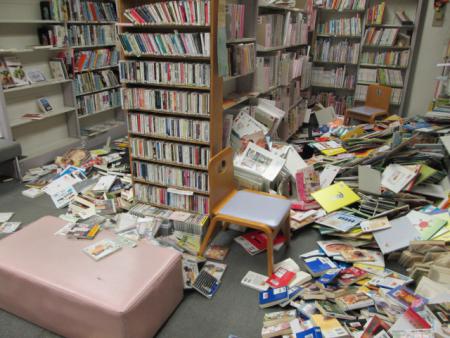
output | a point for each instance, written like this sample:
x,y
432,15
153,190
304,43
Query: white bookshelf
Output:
x,y
59,130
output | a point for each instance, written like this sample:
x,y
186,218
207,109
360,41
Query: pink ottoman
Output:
x,y
49,281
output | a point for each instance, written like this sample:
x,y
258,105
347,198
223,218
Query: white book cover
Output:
x,y
255,281
5,216
104,183
101,249
375,224
395,177
9,227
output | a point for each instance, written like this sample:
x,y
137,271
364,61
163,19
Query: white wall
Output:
x,y
430,47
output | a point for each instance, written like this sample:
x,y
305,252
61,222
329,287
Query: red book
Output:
x,y
92,10
259,239
416,320
281,277
134,13
80,62
351,275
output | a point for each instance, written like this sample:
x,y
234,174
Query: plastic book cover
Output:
x,y
335,197
273,296
406,298
101,249
319,265
351,275
281,277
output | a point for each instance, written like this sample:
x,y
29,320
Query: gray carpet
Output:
x,y
233,310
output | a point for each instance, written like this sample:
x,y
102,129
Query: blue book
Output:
x,y
313,332
317,266
329,276
273,297
293,293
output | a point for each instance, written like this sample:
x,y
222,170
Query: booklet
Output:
x,y
261,161
395,177
335,197
340,221
101,249
375,224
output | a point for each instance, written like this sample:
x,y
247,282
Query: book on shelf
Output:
x,y
235,21
381,37
89,104
95,81
386,58
267,72
403,18
179,128
329,50
92,59
90,35
170,12
85,10
367,75
171,176
175,101
375,13
172,198
175,44
12,73
361,94
58,69
165,73
269,30
333,78
55,35
341,5
339,103
241,59
170,152
341,27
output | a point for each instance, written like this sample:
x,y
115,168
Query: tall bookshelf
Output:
x,y
245,89
60,129
356,93
162,190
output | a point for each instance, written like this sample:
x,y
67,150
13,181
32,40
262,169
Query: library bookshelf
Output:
x,y
367,54
160,177
62,128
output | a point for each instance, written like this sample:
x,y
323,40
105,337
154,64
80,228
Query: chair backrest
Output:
x,y
378,97
221,177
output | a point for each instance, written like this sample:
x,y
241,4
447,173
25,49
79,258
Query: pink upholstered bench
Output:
x,y
49,281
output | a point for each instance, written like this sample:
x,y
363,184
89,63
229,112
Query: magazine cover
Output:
x,y
190,273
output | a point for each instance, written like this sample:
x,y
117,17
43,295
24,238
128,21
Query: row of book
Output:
x,y
341,27
235,21
92,81
184,12
176,101
170,152
92,59
171,176
266,71
172,198
361,94
380,37
375,14
54,35
337,51
275,30
340,103
241,58
387,58
160,72
389,77
160,126
78,10
291,67
334,78
88,35
345,4
193,44
90,104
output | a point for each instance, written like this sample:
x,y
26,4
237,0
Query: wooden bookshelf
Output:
x,y
214,89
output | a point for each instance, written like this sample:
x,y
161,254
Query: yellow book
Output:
x,y
335,197
330,327
332,152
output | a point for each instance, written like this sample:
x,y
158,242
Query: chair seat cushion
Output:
x,y
257,208
366,110
9,150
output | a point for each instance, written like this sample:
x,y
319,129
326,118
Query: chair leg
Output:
x,y
209,233
18,171
269,253
286,229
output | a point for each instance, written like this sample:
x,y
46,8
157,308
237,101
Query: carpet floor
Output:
x,y
233,310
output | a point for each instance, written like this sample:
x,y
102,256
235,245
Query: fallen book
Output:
x,y
354,301
273,297
255,281
329,309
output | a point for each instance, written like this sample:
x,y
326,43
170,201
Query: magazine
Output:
x,y
262,161
340,221
101,249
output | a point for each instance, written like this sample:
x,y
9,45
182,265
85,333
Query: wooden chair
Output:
x,y
252,209
377,105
